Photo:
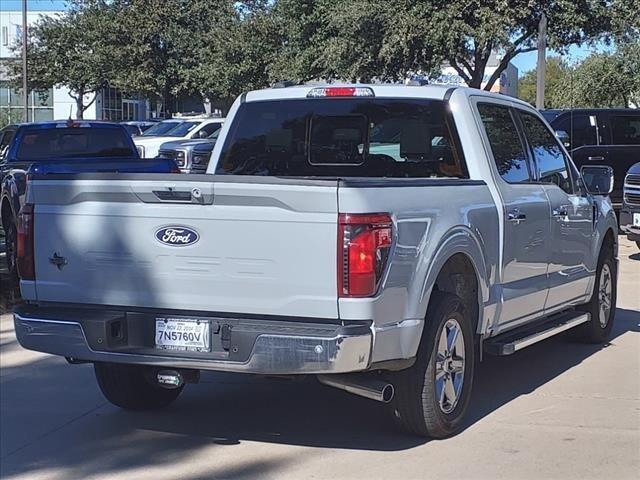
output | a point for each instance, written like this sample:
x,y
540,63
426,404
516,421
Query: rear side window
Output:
x,y
508,151
549,158
625,129
74,142
343,137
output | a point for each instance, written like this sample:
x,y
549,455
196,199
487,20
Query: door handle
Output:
x,y
516,216
597,158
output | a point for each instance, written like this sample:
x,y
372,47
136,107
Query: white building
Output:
x,y
110,104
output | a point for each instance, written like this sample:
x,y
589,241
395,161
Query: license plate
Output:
x,y
636,219
183,334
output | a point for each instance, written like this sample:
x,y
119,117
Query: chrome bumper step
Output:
x,y
512,341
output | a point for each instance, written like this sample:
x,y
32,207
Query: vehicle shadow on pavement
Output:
x,y
227,410
502,379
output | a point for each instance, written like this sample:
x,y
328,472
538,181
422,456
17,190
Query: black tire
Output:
x,y
11,248
416,408
130,387
598,329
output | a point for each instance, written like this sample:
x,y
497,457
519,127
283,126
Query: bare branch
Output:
x,y
465,76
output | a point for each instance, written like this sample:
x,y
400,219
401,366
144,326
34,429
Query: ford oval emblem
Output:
x,y
177,236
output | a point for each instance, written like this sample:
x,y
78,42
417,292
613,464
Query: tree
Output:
x,y
237,54
604,80
158,44
557,79
365,39
69,50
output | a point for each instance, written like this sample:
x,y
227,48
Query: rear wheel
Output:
x,y
131,387
602,306
432,396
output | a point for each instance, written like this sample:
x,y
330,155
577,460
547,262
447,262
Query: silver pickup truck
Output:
x,y
382,238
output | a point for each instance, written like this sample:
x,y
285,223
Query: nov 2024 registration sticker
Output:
x,y
182,334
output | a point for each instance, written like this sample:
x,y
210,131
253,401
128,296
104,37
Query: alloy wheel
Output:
x,y
605,293
450,362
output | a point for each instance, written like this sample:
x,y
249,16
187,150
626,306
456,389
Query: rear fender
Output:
x,y
461,240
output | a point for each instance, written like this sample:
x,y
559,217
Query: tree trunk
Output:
x,y
167,99
80,106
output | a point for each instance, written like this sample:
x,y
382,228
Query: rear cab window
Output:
x,y
373,137
74,142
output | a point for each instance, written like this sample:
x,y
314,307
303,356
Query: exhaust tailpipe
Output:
x,y
359,384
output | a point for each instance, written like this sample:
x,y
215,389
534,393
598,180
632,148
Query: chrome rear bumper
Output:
x,y
273,354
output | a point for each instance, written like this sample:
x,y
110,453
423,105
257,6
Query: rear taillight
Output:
x,y
25,253
364,242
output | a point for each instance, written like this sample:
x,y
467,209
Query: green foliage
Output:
x,y
602,80
557,80
158,44
606,79
220,48
386,39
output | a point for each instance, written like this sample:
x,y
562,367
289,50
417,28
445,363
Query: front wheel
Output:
x,y
602,306
130,387
432,396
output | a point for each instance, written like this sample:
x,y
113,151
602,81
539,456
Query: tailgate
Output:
x,y
254,246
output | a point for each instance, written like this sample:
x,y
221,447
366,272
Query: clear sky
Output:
x,y
33,5
527,61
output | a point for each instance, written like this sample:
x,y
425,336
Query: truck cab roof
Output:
x,y
434,92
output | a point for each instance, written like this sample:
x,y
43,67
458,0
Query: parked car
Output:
x,y
61,147
462,226
191,156
149,142
137,127
600,136
630,213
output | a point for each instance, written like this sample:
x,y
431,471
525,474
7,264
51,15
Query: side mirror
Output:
x,y
564,138
598,179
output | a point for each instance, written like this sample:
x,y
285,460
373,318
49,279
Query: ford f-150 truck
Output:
x,y
382,238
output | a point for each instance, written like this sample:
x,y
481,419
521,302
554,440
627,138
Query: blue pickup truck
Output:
x,y
62,147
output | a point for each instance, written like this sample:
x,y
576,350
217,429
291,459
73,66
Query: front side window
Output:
x,y
506,146
579,129
625,129
207,130
548,156
343,137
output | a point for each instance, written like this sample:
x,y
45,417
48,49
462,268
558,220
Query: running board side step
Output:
x,y
510,342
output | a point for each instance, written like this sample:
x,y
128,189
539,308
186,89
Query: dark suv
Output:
x,y
600,137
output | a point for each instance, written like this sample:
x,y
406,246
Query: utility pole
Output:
x,y
542,63
25,92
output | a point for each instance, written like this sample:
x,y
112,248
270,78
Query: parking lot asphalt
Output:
x,y
555,410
